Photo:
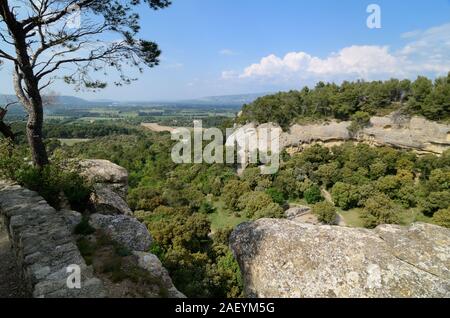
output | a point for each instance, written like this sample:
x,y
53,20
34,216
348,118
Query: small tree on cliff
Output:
x,y
43,42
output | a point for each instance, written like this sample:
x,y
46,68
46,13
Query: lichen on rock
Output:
x,y
281,258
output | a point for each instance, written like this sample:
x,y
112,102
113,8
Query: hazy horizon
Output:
x,y
210,48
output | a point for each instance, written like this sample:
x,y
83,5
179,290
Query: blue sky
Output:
x,y
220,47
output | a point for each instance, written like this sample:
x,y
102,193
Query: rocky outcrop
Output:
x,y
152,264
297,211
123,229
110,185
414,133
72,219
43,240
105,201
43,246
282,258
106,174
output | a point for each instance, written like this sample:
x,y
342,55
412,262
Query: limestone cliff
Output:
x,y
414,133
282,258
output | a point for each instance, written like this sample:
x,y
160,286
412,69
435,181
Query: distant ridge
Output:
x,y
232,100
219,101
60,101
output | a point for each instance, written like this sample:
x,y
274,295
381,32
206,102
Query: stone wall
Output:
x,y
43,246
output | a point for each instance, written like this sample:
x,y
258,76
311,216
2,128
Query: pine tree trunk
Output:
x,y
35,138
30,96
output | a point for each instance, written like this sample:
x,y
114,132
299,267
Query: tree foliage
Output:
x,y
325,212
354,101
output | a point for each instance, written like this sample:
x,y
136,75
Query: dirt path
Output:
x,y
10,283
340,219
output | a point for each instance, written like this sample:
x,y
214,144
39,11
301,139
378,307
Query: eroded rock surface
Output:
x,y
282,258
297,211
105,201
106,174
153,265
123,229
415,133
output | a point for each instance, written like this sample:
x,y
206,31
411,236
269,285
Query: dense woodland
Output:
x,y
423,96
191,209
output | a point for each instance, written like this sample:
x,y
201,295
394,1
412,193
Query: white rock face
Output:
x,y
416,133
282,258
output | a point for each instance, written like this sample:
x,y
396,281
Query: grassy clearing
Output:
x,y
223,217
352,217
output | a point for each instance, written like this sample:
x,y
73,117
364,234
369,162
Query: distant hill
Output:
x,y
60,101
231,100
219,101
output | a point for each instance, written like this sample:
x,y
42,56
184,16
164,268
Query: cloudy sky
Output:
x,y
220,47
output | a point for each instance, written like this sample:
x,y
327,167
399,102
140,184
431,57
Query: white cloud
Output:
x,y
427,52
356,60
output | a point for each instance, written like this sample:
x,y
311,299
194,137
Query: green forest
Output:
x,y
191,209
424,97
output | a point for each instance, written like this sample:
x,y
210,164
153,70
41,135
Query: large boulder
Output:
x,y
72,219
153,265
297,211
106,174
105,201
123,229
282,258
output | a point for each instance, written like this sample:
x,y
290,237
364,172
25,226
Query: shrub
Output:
x,y
435,201
11,159
50,182
360,120
252,202
84,228
207,208
232,191
276,195
144,198
325,212
272,210
380,210
345,196
313,195
442,217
